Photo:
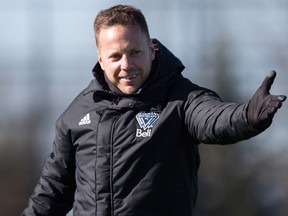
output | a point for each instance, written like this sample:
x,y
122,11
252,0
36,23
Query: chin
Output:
x,y
129,91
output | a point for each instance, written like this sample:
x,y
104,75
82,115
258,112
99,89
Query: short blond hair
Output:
x,y
125,15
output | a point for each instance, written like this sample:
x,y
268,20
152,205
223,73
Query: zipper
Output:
x,y
112,163
96,153
114,115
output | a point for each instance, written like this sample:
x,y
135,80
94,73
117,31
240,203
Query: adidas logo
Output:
x,y
86,120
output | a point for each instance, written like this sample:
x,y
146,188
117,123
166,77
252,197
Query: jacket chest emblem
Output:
x,y
146,122
85,120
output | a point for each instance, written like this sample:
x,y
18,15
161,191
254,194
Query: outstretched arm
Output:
x,y
211,120
263,105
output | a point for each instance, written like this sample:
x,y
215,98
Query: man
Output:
x,y
128,144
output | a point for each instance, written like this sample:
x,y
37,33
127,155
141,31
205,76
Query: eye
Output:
x,y
135,52
115,57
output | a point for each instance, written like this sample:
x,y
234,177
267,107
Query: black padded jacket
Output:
x,y
135,155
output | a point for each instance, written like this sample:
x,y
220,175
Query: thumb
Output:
x,y
268,81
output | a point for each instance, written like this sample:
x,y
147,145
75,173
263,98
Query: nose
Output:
x,y
125,62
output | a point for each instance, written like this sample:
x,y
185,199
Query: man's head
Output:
x,y
125,51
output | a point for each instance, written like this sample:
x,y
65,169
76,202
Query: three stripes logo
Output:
x,y
86,120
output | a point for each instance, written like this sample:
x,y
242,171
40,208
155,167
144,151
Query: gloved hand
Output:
x,y
263,105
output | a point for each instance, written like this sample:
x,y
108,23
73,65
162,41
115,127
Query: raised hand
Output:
x,y
263,105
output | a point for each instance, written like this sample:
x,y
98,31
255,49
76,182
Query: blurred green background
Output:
x,y
47,52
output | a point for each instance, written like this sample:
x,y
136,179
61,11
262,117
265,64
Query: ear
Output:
x,y
100,60
153,49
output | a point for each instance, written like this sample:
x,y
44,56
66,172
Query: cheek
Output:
x,y
110,77
111,71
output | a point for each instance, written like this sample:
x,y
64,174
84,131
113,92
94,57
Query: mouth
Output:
x,y
130,77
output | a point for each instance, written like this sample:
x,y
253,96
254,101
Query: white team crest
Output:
x,y
145,121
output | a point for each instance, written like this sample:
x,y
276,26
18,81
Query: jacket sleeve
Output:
x,y
54,193
210,120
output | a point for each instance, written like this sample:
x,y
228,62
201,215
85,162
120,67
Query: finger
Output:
x,y
282,98
273,106
268,81
277,104
272,110
271,99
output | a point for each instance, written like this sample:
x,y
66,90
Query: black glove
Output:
x,y
263,105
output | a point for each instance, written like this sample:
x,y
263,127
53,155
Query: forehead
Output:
x,y
119,34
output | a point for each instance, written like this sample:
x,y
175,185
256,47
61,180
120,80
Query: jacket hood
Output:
x,y
167,62
165,66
